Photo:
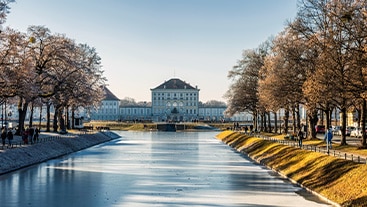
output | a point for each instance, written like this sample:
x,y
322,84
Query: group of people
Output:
x,y
30,135
245,128
7,134
327,138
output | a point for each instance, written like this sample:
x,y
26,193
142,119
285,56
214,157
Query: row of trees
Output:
x,y
319,60
40,68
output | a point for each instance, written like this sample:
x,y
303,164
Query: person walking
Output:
x,y
300,136
36,134
25,135
328,138
246,129
30,134
10,138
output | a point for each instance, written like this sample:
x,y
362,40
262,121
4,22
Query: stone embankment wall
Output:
x,y
20,157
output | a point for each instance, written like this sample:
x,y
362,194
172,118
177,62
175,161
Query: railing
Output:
x,y
330,152
21,143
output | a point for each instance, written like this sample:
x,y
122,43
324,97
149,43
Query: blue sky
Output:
x,y
142,43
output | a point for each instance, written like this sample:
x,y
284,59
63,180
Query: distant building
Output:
x,y
175,100
109,108
136,112
212,113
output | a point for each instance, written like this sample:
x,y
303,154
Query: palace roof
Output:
x,y
109,95
174,83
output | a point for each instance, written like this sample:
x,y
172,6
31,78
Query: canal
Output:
x,y
152,169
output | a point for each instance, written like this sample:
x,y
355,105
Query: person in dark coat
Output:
x,y
36,134
10,137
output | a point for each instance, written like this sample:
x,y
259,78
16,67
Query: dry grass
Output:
x,y
342,181
320,143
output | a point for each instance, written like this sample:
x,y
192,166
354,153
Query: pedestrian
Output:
x,y
30,134
36,134
25,135
300,138
10,138
328,137
3,136
246,129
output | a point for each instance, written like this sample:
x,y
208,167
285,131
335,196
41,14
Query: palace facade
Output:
x,y
173,100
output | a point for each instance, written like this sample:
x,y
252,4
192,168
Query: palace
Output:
x,y
173,100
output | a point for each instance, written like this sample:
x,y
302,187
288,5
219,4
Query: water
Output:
x,y
152,169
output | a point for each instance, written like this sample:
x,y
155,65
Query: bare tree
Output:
x,y
243,93
4,9
48,66
214,103
322,23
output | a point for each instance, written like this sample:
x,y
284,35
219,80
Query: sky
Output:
x,y
143,43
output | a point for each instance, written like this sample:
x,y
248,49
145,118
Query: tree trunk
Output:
x,y
254,120
55,118
48,124
359,116
294,121
298,116
275,122
67,118
61,119
286,119
22,111
269,122
40,121
73,117
344,126
31,116
312,119
363,124
328,118
263,122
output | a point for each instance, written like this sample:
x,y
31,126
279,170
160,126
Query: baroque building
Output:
x,y
136,112
212,113
109,108
175,100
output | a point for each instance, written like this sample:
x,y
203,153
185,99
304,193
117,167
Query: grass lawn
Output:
x,y
339,180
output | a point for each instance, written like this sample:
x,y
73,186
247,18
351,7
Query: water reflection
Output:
x,y
145,169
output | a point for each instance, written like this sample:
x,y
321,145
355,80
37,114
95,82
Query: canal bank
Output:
x,y
341,182
52,147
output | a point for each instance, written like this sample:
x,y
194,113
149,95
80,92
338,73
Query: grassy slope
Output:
x,y
342,181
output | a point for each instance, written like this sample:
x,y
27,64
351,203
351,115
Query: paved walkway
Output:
x,y
43,137
323,149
